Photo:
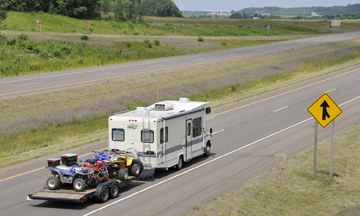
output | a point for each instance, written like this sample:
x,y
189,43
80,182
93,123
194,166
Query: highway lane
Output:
x,y
252,132
23,85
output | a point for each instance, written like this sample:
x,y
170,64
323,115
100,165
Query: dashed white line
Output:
x,y
103,73
218,131
281,109
330,90
27,84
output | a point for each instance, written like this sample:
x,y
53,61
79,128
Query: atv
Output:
x,y
69,172
124,160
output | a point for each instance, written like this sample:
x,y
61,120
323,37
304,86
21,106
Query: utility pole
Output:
x,y
303,15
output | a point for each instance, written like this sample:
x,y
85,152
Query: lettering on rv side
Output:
x,y
132,126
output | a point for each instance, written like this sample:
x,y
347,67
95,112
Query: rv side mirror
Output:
x,y
210,131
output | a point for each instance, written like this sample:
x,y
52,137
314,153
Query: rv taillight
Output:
x,y
110,119
135,120
154,121
114,150
51,161
65,156
129,119
150,152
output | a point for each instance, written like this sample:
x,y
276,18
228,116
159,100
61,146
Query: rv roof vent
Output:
x,y
141,109
164,106
184,100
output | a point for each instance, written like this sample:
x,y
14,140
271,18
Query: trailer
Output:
x,y
104,191
162,135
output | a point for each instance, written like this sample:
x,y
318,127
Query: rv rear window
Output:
x,y
118,134
162,134
197,127
147,136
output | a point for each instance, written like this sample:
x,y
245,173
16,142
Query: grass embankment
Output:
x,y
43,122
157,26
292,189
25,55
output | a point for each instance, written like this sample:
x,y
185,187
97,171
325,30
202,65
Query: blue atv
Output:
x,y
69,172
99,157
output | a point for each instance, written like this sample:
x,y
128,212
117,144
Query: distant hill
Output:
x,y
299,10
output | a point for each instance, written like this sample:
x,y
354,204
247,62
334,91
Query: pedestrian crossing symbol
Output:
x,y
324,110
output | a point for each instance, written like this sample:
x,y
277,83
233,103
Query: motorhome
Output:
x,y
163,135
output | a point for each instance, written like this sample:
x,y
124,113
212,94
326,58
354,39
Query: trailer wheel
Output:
x,y
180,163
137,167
114,190
79,185
53,183
104,194
207,151
123,174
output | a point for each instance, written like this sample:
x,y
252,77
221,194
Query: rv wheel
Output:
x,y
53,183
207,151
180,163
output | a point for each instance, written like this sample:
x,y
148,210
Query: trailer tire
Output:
x,y
180,163
207,150
114,190
123,174
53,182
104,194
137,167
79,185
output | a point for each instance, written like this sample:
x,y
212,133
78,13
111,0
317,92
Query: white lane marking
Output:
x,y
218,131
281,109
200,59
330,90
201,165
102,73
27,84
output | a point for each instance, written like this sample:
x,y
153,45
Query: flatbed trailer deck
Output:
x,y
68,194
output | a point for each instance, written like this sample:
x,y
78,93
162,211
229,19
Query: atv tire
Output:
x,y
79,185
137,167
123,174
94,182
53,182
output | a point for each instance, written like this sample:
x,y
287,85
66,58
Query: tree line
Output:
x,y
90,9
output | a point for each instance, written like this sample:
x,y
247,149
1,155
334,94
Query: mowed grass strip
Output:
x,y
292,189
46,137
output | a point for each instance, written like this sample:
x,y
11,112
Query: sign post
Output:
x,y
315,146
88,23
268,27
325,111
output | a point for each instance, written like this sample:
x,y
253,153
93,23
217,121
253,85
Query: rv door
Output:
x,y
188,146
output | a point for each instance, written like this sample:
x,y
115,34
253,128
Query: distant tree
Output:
x,y
118,11
105,6
236,16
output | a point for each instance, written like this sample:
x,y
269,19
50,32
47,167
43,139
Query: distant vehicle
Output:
x,y
163,135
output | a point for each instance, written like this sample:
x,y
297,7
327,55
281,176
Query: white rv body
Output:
x,y
142,130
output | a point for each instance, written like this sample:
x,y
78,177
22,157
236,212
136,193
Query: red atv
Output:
x,y
100,172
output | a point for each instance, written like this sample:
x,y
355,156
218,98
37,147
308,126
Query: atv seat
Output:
x,y
63,167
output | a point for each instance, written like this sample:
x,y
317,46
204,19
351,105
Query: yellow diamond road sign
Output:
x,y
324,110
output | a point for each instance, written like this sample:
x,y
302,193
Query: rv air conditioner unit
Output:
x,y
164,106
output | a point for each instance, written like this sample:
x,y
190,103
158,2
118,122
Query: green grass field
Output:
x,y
283,69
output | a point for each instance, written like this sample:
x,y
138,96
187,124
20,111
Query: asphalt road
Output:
x,y
23,85
247,135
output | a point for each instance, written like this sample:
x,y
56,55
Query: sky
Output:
x,y
228,5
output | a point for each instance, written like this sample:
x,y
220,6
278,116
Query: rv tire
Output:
x,y
207,150
180,163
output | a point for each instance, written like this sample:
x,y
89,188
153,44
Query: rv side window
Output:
x,y
197,127
208,110
162,134
147,136
118,134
